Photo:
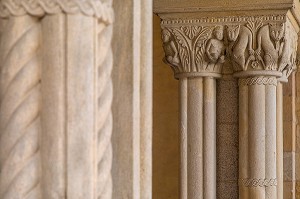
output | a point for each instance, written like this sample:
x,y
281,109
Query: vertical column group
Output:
x,y
258,133
196,55
260,50
197,137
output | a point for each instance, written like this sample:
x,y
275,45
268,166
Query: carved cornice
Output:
x,y
249,43
253,182
221,20
40,8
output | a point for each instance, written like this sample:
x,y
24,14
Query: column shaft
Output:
x,y
81,106
20,124
209,139
53,138
279,141
195,138
258,138
76,73
201,138
183,137
271,141
104,113
256,142
243,140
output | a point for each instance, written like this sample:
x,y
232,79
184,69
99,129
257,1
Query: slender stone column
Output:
x,y
260,114
243,138
183,136
272,107
260,48
198,138
209,138
279,138
258,163
197,67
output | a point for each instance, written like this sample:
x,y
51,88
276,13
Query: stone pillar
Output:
x,y
56,94
20,120
258,155
279,138
260,48
280,135
196,54
270,55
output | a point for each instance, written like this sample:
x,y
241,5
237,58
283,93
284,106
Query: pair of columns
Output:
x,y
56,95
260,51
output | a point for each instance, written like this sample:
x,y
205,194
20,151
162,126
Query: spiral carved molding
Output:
x,y
105,97
20,109
39,8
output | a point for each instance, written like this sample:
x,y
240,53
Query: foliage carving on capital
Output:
x,y
40,8
244,43
194,49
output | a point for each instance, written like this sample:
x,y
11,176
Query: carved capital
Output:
x,y
193,50
249,44
263,44
40,8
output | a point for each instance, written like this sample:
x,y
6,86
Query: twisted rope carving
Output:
x,y
40,8
105,97
20,109
258,182
258,81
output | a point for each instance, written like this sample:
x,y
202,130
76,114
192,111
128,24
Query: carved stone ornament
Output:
x,y
258,80
39,8
258,182
194,49
261,43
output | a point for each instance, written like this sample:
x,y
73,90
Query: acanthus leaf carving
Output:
x,y
256,43
194,49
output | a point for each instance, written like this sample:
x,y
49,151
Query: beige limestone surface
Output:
x,y
56,95
132,104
